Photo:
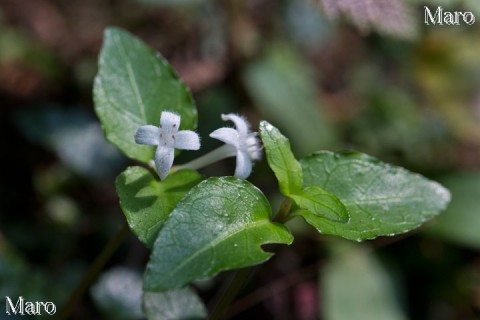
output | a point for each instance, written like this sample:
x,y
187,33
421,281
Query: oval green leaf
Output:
x,y
382,199
321,204
355,285
133,86
219,225
179,304
147,202
281,159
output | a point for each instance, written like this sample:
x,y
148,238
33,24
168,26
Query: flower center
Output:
x,y
167,139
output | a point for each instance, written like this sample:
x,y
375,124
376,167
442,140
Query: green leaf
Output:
x,y
133,86
281,159
460,222
355,285
219,225
322,204
288,171
382,199
147,202
181,304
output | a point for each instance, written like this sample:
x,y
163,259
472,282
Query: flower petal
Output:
x,y
241,124
148,135
187,140
253,146
169,122
244,165
164,160
227,135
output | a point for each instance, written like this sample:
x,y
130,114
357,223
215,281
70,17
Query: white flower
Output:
x,y
241,142
167,138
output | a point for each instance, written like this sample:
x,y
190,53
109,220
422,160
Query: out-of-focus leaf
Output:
x,y
307,25
283,88
356,286
118,293
147,201
74,136
393,124
444,56
63,210
381,199
17,278
133,86
13,271
461,221
219,225
17,47
181,304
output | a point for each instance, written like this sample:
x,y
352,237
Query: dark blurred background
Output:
x,y
350,74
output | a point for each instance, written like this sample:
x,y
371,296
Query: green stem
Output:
x,y
93,272
222,152
283,213
230,292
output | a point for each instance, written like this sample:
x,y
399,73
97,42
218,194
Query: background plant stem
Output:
x,y
232,289
93,271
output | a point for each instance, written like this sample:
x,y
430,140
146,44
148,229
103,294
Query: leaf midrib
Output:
x,y
220,238
131,77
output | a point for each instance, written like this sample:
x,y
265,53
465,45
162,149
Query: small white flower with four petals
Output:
x,y
167,138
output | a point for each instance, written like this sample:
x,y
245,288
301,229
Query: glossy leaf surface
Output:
x,y
382,199
219,225
147,201
133,86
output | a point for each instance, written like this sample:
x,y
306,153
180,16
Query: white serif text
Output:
x,y
22,307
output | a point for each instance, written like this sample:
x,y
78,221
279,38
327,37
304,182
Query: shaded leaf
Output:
x,y
460,222
133,86
281,159
321,204
356,285
147,201
219,225
181,304
307,26
74,136
382,199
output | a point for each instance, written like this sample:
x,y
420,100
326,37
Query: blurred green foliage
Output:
x,y
326,80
